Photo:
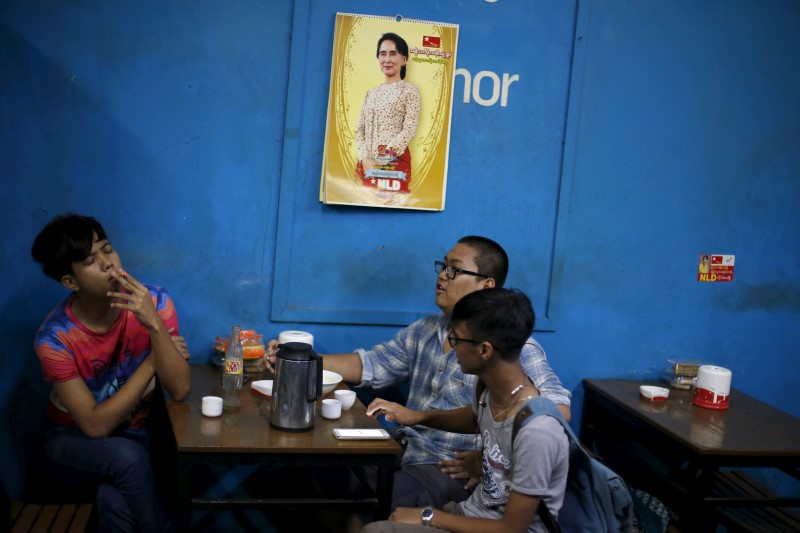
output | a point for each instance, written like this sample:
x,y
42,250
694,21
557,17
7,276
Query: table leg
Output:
x,y
701,514
184,496
384,490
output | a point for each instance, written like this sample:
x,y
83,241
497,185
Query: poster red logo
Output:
x,y
431,42
715,268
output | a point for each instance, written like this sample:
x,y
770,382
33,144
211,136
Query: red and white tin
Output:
x,y
713,387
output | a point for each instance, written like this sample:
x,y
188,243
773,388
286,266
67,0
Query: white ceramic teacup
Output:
x,y
212,406
331,409
347,397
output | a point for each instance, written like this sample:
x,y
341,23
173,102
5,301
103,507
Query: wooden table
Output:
x,y
677,451
242,436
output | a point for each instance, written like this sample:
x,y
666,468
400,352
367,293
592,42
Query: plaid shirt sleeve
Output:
x,y
534,362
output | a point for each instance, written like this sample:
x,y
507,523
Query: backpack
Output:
x,y
596,498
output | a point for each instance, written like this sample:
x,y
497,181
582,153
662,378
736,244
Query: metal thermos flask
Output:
x,y
297,387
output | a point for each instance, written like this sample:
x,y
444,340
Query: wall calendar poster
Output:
x,y
387,134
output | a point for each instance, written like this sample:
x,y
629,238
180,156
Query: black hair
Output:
x,y
504,317
491,259
66,239
400,44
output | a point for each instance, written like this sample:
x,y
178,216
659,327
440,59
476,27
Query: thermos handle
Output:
x,y
318,391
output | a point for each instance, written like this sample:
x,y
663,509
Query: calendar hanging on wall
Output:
x,y
387,135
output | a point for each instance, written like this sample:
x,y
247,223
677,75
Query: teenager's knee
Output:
x,y
130,457
407,491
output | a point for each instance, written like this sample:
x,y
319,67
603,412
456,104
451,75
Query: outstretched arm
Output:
x,y
519,514
459,420
348,365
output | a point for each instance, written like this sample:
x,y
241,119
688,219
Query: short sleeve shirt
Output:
x,y
104,361
535,464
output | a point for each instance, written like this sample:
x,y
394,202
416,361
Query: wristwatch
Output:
x,y
427,516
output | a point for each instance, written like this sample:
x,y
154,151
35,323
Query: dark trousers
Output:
x,y
127,497
426,485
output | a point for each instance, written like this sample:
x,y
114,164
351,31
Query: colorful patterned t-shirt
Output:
x,y
105,361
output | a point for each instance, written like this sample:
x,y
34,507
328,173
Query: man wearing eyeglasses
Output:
x,y
434,463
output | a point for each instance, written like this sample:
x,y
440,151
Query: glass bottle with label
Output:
x,y
234,370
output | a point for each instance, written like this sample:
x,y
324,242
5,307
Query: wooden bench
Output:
x,y
40,505
736,483
49,518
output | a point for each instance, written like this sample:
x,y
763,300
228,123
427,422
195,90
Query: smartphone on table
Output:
x,y
360,434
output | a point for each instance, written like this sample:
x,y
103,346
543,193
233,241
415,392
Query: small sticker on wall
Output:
x,y
715,267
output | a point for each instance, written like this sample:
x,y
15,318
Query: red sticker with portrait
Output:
x,y
715,268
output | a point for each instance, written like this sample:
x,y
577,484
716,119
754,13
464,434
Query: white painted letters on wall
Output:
x,y
499,88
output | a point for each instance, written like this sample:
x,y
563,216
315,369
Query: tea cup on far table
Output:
x,y
347,397
331,409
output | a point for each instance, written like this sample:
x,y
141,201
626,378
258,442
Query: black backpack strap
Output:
x,y
544,513
480,386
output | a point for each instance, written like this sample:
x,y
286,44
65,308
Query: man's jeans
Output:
x,y
424,485
127,497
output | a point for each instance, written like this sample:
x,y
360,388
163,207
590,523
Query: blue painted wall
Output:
x,y
657,131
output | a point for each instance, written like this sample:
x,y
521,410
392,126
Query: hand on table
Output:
x,y
468,466
394,412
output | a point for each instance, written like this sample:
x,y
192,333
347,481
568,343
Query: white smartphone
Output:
x,y
361,434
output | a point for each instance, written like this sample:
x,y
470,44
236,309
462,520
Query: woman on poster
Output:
x,y
388,121
702,268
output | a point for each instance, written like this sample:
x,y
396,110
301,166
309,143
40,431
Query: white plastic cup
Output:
x,y
296,336
347,397
331,409
211,406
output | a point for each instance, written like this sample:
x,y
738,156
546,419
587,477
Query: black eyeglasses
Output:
x,y
452,271
453,340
